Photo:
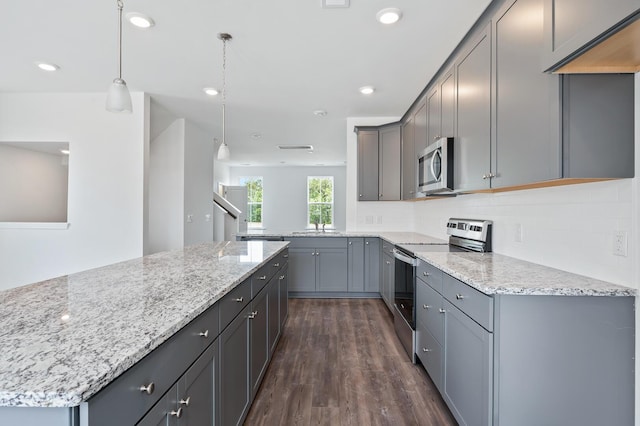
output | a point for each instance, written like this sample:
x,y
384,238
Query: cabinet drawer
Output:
x,y
430,353
475,304
233,302
387,247
123,401
430,274
318,242
262,276
430,309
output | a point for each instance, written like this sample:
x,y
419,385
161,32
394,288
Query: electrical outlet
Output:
x,y
517,235
207,218
368,220
620,243
189,218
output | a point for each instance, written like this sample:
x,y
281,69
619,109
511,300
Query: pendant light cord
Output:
x,y
120,6
224,89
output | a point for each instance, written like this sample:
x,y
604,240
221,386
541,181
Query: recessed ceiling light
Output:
x,y
367,90
389,15
65,151
320,113
256,135
45,66
139,20
210,91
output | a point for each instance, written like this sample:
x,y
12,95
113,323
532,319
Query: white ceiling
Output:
x,y
287,59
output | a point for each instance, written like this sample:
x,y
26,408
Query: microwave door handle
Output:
x,y
433,159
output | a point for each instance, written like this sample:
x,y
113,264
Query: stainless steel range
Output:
x,y
465,235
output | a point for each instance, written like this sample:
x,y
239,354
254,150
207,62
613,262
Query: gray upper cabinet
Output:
x,y
368,165
433,115
389,169
526,140
473,139
448,104
598,126
409,160
420,129
572,24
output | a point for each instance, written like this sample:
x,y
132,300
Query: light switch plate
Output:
x,y
620,243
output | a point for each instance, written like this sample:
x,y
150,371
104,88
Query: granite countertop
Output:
x,y
495,274
66,338
392,237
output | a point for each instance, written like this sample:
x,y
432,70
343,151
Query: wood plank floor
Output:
x,y
339,362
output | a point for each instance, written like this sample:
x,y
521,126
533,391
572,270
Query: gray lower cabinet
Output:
x,y
259,338
283,294
356,264
159,413
273,311
572,24
302,269
318,265
388,275
372,265
473,137
235,395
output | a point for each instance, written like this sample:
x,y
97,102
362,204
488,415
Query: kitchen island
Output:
x,y
64,340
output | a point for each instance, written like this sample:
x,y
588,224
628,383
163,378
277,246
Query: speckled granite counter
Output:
x,y
493,273
65,339
392,237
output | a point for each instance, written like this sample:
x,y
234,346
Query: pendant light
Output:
x,y
223,151
118,97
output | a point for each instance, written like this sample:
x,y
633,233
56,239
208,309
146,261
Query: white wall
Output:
x,y
33,185
285,194
166,189
372,216
198,185
106,184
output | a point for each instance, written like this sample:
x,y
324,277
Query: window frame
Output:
x,y
332,203
243,182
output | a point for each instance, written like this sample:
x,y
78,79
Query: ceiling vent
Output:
x,y
330,4
305,147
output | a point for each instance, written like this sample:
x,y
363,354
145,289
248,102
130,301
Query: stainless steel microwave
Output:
x,y
435,167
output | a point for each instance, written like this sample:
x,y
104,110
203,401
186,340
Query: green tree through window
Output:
x,y
320,200
254,198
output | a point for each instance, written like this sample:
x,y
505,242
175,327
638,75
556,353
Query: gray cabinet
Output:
x,y
388,274
356,265
572,24
372,265
434,114
259,339
448,104
473,137
283,294
368,161
159,413
389,170
526,140
318,265
420,126
235,395
468,368
409,160
273,310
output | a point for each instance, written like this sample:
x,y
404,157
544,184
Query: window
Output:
x,y
320,200
254,198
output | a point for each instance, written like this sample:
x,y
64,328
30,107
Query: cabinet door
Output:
x,y
372,269
283,282
302,269
259,341
234,370
388,271
273,308
468,375
356,264
409,161
448,105
571,24
433,115
473,142
159,415
368,163
420,127
527,134
389,169
197,390
331,269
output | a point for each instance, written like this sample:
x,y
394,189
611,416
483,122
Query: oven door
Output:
x,y
404,286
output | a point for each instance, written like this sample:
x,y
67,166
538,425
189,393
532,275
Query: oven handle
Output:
x,y
404,258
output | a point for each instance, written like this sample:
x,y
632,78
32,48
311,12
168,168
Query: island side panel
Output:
x,y
564,360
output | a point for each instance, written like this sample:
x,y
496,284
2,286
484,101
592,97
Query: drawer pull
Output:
x,y
388,263
367,243
459,296
239,299
285,256
148,389
426,350
177,413
276,265
185,402
426,307
282,277
442,311
204,334
253,314
425,273
264,277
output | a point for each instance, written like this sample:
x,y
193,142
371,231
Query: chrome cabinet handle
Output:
x,y
442,311
485,177
367,243
239,299
379,195
282,277
178,413
285,255
425,273
275,265
148,389
459,296
361,195
388,263
350,242
402,306
204,334
264,277
435,138
426,350
426,307
185,402
253,314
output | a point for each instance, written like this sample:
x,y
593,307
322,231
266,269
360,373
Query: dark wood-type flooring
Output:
x,y
339,362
